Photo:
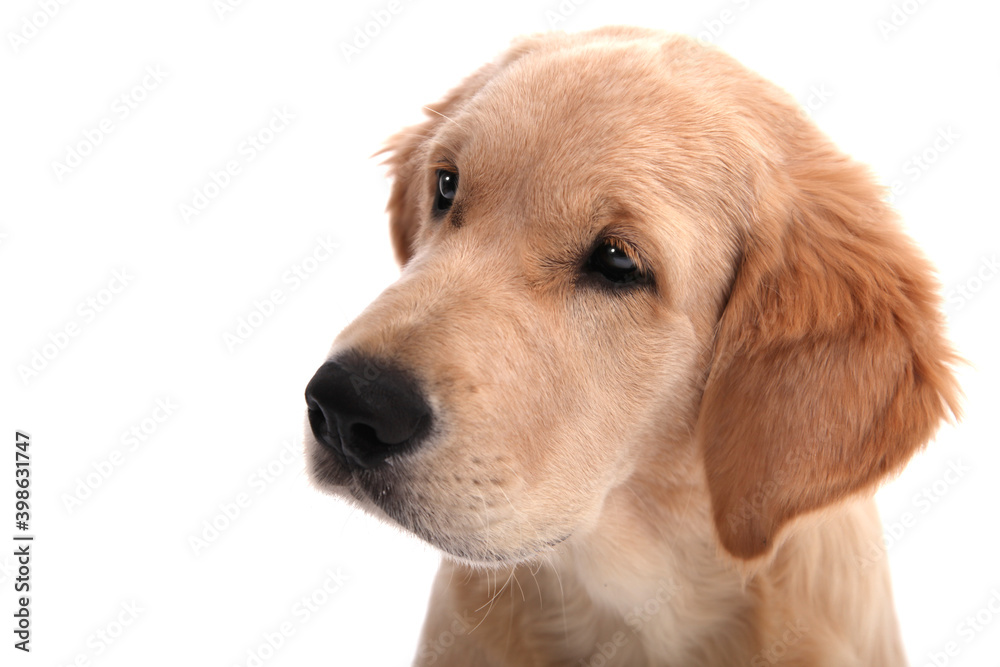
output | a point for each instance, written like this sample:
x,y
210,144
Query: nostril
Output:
x,y
318,422
364,434
362,445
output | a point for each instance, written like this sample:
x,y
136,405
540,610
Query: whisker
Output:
x,y
440,114
492,599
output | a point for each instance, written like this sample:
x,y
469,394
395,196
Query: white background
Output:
x,y
883,95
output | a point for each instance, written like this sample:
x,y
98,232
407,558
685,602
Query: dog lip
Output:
x,y
326,469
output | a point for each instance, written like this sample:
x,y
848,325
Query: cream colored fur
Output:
x,y
675,474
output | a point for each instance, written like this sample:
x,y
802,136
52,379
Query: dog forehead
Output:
x,y
601,117
542,140
553,141
563,113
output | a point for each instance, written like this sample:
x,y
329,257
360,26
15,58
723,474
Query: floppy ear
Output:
x,y
406,166
407,148
830,368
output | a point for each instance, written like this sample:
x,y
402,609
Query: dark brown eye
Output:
x,y
447,186
611,261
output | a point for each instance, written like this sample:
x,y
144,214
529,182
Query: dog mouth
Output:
x,y
387,494
331,472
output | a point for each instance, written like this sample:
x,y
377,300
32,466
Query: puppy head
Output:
x,y
622,250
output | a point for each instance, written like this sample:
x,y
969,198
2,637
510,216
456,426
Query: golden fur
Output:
x,y
673,474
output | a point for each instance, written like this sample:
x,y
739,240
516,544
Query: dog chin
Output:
x,y
493,556
472,550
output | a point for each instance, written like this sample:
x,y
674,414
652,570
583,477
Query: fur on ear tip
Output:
x,y
397,148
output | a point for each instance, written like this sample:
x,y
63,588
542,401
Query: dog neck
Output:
x,y
655,577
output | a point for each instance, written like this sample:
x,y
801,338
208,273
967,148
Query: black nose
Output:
x,y
366,410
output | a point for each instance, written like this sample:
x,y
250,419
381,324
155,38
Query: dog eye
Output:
x,y
613,262
447,186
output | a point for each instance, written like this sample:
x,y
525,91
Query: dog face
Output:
x,y
624,253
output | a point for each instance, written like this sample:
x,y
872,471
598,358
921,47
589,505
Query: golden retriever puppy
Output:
x,y
655,343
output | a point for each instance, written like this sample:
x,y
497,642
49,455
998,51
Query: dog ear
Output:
x,y
407,157
830,367
407,151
